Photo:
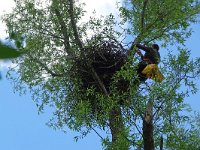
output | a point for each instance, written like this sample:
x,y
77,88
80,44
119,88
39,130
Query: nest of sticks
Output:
x,y
106,58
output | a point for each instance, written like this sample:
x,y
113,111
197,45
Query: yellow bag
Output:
x,y
152,71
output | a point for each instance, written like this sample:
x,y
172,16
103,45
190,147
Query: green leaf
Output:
x,y
8,52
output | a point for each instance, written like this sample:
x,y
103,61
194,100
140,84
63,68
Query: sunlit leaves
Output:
x,y
47,68
160,20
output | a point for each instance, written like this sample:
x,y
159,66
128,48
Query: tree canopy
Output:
x,y
86,71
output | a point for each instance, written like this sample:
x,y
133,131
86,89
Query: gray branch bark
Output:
x,y
148,127
73,23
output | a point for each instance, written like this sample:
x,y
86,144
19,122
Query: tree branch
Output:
x,y
73,23
97,133
169,27
152,24
161,142
53,74
48,33
148,127
138,129
143,14
100,83
64,30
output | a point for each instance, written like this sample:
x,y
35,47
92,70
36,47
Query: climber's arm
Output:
x,y
144,48
139,53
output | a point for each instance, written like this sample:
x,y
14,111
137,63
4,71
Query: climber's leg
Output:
x,y
141,67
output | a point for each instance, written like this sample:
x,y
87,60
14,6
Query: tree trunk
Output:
x,y
116,124
117,129
148,127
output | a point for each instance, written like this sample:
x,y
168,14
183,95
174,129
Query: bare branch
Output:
x,y
149,112
73,23
97,133
64,30
139,131
148,127
143,14
100,83
161,142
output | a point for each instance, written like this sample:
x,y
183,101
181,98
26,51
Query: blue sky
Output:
x,y
21,127
193,44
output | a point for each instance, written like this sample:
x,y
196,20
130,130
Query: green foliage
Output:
x,y
185,135
7,52
162,20
52,48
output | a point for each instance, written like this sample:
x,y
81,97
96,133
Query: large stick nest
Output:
x,y
106,58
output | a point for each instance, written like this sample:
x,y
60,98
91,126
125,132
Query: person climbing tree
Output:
x,y
147,67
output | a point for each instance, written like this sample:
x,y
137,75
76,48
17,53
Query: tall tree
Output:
x,y
90,79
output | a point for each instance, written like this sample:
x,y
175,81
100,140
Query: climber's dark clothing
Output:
x,y
151,56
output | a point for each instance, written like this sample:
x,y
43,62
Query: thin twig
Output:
x,y
97,133
53,74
